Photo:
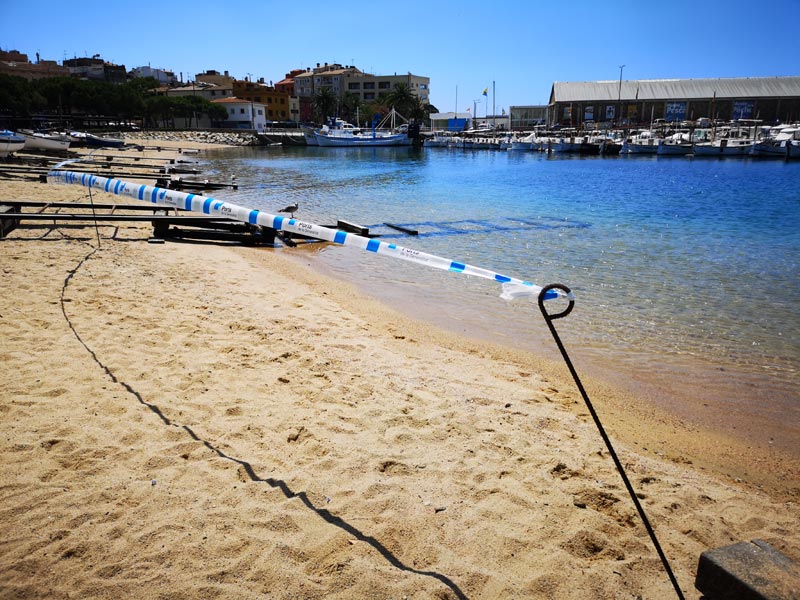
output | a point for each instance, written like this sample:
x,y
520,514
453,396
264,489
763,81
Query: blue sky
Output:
x,y
521,46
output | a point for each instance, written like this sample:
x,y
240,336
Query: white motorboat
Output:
x,y
10,143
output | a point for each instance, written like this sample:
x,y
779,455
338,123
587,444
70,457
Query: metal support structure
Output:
x,y
549,318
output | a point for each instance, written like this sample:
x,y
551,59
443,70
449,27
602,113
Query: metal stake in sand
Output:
x,y
549,318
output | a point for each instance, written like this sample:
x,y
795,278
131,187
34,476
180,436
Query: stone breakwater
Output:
x,y
229,138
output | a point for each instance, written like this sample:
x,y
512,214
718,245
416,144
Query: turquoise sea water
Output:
x,y
686,271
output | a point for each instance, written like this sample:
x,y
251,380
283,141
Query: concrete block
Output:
x,y
747,571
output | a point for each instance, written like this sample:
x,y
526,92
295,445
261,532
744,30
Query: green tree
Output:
x,y
352,108
324,104
419,111
401,98
158,109
217,113
18,97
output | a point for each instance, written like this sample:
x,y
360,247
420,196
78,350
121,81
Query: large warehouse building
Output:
x,y
631,103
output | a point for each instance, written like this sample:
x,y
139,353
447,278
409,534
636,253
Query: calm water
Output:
x,y
686,270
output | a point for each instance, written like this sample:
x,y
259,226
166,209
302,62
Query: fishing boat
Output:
x,y
729,141
352,136
103,142
678,144
566,144
10,143
529,142
441,139
728,147
645,142
778,143
45,141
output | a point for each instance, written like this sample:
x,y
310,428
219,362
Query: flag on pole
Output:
x,y
486,91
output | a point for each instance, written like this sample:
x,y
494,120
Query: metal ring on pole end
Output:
x,y
567,292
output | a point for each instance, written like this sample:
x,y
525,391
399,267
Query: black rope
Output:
x,y
548,318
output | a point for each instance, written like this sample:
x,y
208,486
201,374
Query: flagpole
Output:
x,y
494,109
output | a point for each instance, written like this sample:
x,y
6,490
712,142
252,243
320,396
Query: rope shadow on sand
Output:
x,y
324,514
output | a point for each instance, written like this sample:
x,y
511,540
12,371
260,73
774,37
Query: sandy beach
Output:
x,y
187,420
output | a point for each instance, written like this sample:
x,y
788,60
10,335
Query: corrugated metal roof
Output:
x,y
678,89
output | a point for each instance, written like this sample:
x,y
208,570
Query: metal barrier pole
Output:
x,y
548,318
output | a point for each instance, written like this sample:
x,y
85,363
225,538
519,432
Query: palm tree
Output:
x,y
401,98
324,104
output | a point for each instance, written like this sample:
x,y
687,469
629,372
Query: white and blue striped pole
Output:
x,y
511,287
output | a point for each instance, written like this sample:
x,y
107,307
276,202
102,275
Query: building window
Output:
x,y
369,95
258,98
354,86
260,112
233,111
423,86
383,85
369,85
241,111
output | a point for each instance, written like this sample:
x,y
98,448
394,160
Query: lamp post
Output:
x,y
619,94
250,97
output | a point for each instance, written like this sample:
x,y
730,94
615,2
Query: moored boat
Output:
x,y
675,145
10,143
343,137
566,144
645,142
778,144
723,147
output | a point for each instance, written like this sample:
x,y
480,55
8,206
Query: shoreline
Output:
x,y
219,420
672,430
737,436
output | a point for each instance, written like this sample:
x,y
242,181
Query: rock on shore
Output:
x,y
228,138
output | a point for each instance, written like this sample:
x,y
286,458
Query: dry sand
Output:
x,y
207,421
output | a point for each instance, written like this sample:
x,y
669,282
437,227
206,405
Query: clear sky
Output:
x,y
517,48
